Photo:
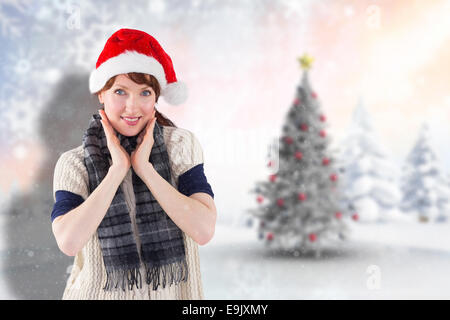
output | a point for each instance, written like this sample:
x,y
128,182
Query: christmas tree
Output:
x,y
299,206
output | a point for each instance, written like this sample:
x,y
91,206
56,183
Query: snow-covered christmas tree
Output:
x,y
426,192
299,206
370,180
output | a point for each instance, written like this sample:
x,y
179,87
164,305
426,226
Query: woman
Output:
x,y
132,202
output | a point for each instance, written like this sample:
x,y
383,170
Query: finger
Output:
x,y
151,124
105,122
153,120
149,129
104,116
105,128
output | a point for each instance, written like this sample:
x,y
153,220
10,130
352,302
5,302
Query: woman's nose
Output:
x,y
132,102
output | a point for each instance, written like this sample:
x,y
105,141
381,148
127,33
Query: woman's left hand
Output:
x,y
141,155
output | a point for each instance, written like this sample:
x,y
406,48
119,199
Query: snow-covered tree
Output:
x,y
424,183
299,207
370,180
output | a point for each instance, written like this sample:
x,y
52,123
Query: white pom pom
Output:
x,y
175,93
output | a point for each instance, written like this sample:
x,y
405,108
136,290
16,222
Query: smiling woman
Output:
x,y
132,203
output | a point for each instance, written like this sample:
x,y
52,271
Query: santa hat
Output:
x,y
129,50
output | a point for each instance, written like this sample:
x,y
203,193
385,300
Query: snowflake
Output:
x,y
11,26
22,118
20,63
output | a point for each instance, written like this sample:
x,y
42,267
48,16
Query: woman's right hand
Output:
x,y
121,161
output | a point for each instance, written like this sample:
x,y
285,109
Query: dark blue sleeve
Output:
x,y
65,201
194,180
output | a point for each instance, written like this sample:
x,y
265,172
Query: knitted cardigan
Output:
x,y
88,275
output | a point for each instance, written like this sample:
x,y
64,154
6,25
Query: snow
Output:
x,y
379,261
395,215
368,210
386,193
361,186
396,260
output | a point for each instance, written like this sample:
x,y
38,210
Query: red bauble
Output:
x,y
298,155
323,133
260,199
302,196
304,127
333,177
314,95
288,140
338,215
297,101
280,202
325,161
273,177
355,217
322,118
270,236
312,237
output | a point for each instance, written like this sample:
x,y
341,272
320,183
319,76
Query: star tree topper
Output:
x,y
306,61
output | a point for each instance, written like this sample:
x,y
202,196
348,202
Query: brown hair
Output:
x,y
148,79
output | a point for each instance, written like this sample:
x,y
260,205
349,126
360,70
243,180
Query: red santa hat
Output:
x,y
129,50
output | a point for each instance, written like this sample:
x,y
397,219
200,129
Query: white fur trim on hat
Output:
x,y
175,93
129,61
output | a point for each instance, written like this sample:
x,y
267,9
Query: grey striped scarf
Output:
x,y
162,251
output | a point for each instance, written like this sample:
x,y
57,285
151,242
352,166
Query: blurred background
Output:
x,y
380,73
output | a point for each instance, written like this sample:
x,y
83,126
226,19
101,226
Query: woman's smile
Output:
x,y
131,121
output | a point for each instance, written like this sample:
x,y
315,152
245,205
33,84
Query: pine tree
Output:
x,y
370,181
299,206
425,190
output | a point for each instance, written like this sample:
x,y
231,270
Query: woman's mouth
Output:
x,y
131,121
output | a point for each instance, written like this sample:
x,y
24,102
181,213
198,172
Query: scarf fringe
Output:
x,y
131,277
178,271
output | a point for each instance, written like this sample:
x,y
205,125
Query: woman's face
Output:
x,y
127,99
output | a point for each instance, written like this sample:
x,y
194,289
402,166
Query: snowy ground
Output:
x,y
387,261
394,261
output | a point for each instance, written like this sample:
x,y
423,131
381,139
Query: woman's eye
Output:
x,y
146,92
117,91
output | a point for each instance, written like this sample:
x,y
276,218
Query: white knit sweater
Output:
x,y
88,275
